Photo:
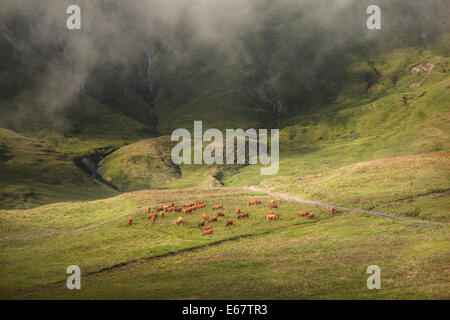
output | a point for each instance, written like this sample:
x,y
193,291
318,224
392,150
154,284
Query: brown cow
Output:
x,y
272,217
153,218
270,212
205,216
217,207
212,219
220,214
237,210
229,222
161,214
273,204
148,209
311,215
180,220
254,202
177,209
242,215
206,228
302,213
201,224
130,221
332,210
208,232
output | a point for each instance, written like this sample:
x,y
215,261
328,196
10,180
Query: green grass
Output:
x,y
351,124
34,173
399,185
111,242
143,165
293,258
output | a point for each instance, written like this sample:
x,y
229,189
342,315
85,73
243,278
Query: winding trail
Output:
x,y
327,205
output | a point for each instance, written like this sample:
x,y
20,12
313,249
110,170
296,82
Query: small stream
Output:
x,y
91,163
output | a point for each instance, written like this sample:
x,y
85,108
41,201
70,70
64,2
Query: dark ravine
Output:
x,y
92,162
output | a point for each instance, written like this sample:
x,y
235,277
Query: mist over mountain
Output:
x,y
167,63
339,92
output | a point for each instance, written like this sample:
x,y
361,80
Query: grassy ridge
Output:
x,y
402,185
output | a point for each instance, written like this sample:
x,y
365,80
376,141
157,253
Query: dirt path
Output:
x,y
327,205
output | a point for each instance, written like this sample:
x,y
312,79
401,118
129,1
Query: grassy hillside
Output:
x,y
34,173
414,186
325,257
364,121
401,112
393,121
143,165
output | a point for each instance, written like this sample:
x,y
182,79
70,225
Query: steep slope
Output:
x,y
409,117
34,173
143,165
340,93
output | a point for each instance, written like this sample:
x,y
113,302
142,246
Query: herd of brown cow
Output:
x,y
207,229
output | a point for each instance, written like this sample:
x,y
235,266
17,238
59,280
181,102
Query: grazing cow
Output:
x,y
148,209
180,220
242,215
212,219
200,204
208,232
220,214
332,210
311,215
302,213
270,212
189,204
130,221
161,214
201,224
237,210
206,228
229,222
273,204
205,216
153,218
177,209
254,202
272,217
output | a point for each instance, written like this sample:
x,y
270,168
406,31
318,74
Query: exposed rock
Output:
x,y
422,67
414,84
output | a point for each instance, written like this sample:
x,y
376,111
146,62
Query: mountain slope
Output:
x,y
34,173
